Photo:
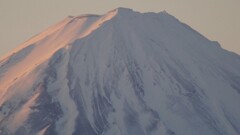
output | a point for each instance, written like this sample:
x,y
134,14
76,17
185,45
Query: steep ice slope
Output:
x,y
122,73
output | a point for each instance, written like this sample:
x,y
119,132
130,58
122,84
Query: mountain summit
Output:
x,y
122,73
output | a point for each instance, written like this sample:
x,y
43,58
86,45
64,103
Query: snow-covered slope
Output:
x,y
122,73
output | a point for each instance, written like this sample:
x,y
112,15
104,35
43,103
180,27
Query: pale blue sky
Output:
x,y
216,19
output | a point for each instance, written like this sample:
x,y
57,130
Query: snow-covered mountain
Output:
x,y
122,73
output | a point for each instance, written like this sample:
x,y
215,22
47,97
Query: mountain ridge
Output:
x,y
113,13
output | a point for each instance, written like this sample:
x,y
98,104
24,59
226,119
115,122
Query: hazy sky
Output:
x,y
216,19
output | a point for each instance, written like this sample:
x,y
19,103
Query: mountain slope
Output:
x,y
121,73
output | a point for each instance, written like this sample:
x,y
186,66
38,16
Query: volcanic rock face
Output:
x,y
122,73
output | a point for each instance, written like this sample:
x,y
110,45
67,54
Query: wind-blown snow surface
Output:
x,y
122,73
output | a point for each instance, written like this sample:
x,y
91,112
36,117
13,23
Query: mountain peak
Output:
x,y
121,73
123,9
